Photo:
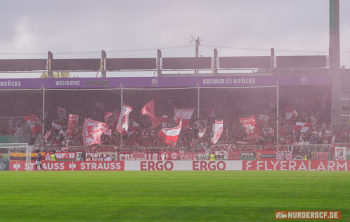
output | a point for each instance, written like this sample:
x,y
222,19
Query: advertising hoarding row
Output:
x,y
197,165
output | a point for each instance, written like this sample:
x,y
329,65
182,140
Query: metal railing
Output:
x,y
299,149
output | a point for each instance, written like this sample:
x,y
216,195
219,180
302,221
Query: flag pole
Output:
x,y
198,101
277,112
121,109
43,131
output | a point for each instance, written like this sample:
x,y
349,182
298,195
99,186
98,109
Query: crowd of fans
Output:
x,y
313,104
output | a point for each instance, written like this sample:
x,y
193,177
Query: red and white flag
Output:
x,y
148,110
284,155
72,123
210,110
291,112
34,123
170,135
123,121
62,112
133,128
163,119
92,131
184,115
218,128
100,105
47,135
263,120
201,133
57,125
301,127
250,128
108,132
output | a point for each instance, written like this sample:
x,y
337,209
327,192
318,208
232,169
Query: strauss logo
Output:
x,y
16,166
72,166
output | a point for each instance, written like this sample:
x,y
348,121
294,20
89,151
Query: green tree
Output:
x,y
62,74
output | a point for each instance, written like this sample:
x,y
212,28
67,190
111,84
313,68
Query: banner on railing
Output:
x,y
340,153
247,155
233,155
265,155
122,156
61,156
322,156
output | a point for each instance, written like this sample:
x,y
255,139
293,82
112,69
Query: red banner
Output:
x,y
61,156
188,156
296,165
69,165
250,128
72,123
99,156
265,155
233,155
322,156
167,155
138,156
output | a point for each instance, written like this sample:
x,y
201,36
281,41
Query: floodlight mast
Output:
x,y
121,115
198,40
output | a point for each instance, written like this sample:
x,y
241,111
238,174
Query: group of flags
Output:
x,y
119,122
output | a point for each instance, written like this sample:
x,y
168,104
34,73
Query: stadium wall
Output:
x,y
299,165
165,82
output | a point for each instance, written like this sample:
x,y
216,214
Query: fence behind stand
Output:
x,y
222,151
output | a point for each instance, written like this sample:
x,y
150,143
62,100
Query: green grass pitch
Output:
x,y
169,196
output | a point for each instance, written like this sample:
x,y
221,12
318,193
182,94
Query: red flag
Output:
x,y
301,127
170,135
218,128
47,135
61,112
250,127
123,121
72,123
148,110
263,120
92,131
184,115
163,119
291,112
201,133
34,124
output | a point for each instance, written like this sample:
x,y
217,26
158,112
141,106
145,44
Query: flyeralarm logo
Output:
x,y
308,215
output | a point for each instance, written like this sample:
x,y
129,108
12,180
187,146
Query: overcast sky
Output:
x,y
81,29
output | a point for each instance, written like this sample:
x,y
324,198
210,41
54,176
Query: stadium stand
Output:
x,y
312,103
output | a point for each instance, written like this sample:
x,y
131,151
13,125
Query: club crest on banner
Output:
x,y
250,128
